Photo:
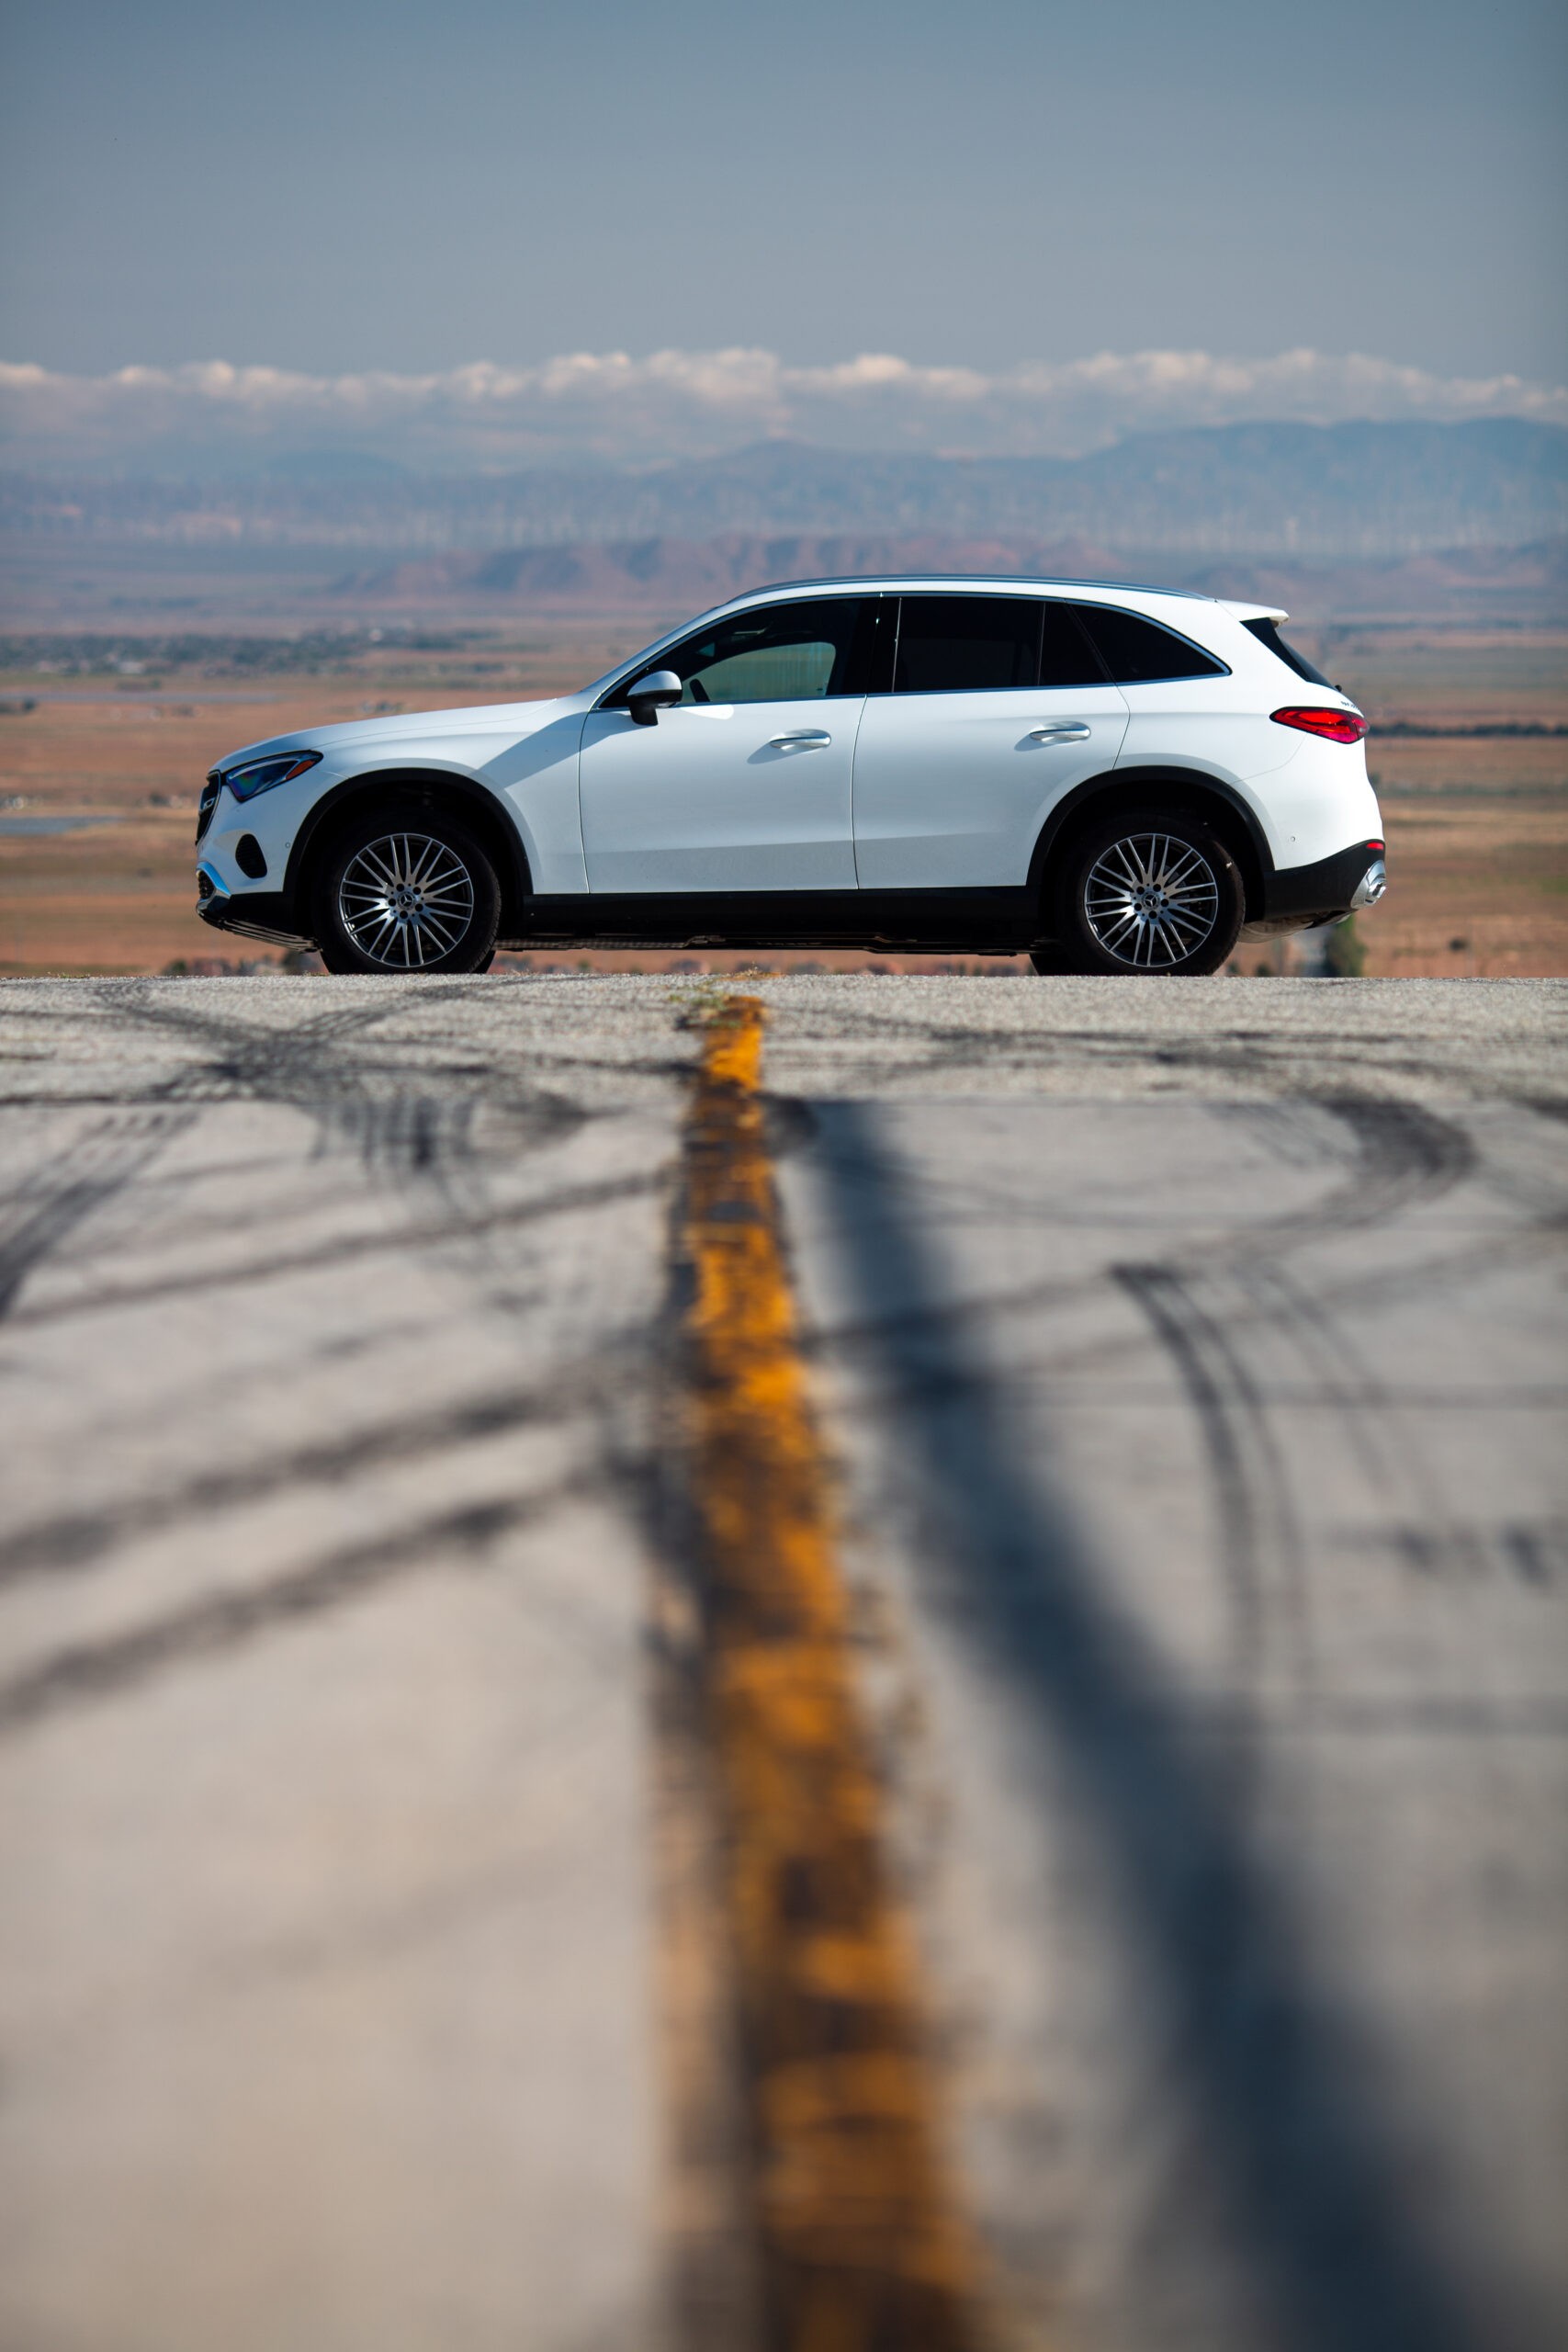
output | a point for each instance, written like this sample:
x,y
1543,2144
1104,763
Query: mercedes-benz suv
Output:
x,y
1106,778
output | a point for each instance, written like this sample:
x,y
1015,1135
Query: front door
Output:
x,y
999,705
744,784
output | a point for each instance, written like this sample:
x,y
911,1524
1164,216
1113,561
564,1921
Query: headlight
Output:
x,y
261,775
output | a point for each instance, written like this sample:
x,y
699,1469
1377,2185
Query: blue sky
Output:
x,y
341,187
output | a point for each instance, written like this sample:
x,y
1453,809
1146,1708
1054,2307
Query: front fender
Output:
x,y
488,812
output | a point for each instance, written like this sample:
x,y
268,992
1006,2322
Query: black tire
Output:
x,y
1151,891
409,890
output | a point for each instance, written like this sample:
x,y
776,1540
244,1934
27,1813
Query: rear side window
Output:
x,y
1067,657
1267,633
1137,652
964,644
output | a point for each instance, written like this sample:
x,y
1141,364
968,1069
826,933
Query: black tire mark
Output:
x,y
1399,1160
1260,1545
1373,1425
404,1132
416,1138
337,1252
1405,1155
73,1184
80,1540
224,1621
1255,1055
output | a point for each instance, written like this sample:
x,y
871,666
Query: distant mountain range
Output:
x,y
1375,492
668,577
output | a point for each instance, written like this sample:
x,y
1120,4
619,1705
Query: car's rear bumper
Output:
x,y
1295,897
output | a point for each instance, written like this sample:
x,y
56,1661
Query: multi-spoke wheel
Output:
x,y
1147,892
407,892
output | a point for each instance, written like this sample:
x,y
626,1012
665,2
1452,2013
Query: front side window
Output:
x,y
1138,652
797,653
965,644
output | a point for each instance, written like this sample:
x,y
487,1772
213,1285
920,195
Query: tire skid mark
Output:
x,y
406,1133
221,1623
1260,1544
81,1541
1404,1156
386,1112
860,2247
1249,1054
430,1234
73,1184
1371,1423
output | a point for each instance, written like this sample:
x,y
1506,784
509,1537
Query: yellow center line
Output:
x,y
861,2245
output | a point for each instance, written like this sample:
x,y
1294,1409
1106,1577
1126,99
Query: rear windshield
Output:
x,y
1267,633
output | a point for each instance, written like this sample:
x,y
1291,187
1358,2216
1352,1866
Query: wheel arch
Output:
x,y
427,787
1192,789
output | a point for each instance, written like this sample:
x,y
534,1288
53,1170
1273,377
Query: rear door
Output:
x,y
999,705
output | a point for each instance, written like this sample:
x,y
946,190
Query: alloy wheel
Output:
x,y
405,900
1151,900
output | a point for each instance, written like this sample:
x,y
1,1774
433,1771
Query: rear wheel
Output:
x,y
407,890
1148,892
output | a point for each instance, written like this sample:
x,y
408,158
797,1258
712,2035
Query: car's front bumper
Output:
x,y
252,914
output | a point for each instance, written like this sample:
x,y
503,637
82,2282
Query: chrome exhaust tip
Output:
x,y
1371,885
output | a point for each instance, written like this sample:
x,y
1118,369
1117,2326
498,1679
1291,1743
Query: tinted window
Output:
x,y
1067,657
1267,633
774,653
1137,651
964,644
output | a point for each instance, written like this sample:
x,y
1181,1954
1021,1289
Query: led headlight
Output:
x,y
261,775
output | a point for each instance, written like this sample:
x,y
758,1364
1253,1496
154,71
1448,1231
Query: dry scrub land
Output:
x,y
1477,823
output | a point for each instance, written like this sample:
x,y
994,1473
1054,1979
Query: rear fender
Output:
x,y
1234,822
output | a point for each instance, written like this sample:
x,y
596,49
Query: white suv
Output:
x,y
1111,779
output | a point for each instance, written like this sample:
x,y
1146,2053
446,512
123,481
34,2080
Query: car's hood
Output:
x,y
414,729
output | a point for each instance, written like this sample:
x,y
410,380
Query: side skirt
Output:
x,y
999,922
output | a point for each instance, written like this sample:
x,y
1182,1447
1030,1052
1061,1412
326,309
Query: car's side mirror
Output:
x,y
651,694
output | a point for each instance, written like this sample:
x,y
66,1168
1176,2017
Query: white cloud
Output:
x,y
608,405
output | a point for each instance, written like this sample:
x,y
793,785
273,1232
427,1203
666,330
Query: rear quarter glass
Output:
x,y
1266,632
1139,651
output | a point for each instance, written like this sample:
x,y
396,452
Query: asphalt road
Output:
x,y
1190,1362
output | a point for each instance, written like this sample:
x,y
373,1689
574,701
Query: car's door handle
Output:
x,y
810,738
1061,731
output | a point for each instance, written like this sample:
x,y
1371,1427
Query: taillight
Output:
x,y
1334,726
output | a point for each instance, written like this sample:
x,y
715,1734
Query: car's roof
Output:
x,y
1023,583
986,579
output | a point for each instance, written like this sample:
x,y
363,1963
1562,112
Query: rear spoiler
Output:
x,y
1252,612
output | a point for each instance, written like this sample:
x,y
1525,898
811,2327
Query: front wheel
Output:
x,y
1149,892
407,890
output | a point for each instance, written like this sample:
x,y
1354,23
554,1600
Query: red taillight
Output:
x,y
1334,726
